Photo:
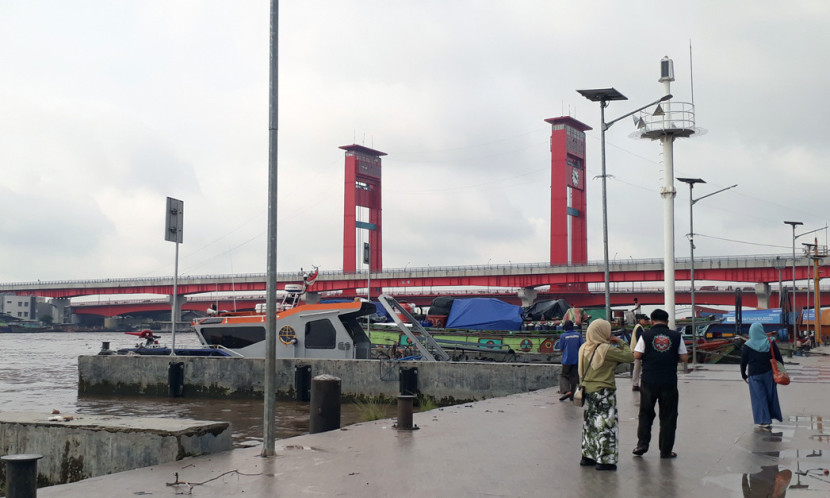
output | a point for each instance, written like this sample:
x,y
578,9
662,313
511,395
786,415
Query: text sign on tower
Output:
x,y
174,225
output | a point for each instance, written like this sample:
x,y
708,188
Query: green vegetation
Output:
x,y
372,409
426,404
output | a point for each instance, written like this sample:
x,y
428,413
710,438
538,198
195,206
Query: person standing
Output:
x,y
598,359
637,370
569,343
636,309
763,391
660,349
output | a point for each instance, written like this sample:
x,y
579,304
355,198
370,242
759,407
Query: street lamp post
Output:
x,y
808,249
794,224
604,96
692,202
796,237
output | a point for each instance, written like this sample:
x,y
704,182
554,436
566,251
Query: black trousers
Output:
x,y
667,397
568,379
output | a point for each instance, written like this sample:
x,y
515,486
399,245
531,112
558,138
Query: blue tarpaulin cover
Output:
x,y
481,313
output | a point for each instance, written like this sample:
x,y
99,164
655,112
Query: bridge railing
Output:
x,y
407,270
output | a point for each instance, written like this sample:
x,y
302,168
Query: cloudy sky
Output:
x,y
108,107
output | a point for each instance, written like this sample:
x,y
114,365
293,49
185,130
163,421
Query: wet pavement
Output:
x,y
528,445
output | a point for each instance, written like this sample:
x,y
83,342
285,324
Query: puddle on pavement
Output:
x,y
791,472
815,424
777,481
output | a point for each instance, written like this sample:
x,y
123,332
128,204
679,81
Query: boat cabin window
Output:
x,y
320,334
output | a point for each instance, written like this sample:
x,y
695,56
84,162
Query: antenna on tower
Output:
x,y
691,73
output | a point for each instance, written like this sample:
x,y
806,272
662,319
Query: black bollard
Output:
x,y
21,475
324,407
302,382
175,379
405,404
105,349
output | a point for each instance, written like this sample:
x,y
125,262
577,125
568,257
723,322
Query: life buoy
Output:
x,y
287,335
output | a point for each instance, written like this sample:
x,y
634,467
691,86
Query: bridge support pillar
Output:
x,y
176,314
527,295
60,310
312,298
762,292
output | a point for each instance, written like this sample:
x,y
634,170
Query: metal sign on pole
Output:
x,y
173,231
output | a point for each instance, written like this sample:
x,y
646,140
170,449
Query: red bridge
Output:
x,y
581,285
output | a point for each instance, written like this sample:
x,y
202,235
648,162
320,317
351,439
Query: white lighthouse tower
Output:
x,y
669,121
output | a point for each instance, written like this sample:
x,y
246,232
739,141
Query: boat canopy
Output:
x,y
547,310
481,313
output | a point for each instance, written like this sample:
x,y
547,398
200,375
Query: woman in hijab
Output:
x,y
762,388
598,359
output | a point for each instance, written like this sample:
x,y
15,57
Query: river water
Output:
x,y
39,373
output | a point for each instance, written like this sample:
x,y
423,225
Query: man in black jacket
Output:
x,y
660,349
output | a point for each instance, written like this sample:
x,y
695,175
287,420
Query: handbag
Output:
x,y
579,393
779,373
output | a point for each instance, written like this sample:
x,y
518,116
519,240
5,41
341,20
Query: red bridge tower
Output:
x,y
362,190
568,221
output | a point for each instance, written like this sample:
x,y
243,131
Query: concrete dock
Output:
x,y
528,445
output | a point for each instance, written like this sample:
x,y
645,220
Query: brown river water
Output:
x,y
39,373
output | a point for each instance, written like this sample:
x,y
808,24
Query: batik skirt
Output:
x,y
599,426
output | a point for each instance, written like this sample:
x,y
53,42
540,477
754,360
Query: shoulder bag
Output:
x,y
779,373
579,394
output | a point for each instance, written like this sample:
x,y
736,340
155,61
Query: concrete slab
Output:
x,y
76,447
527,445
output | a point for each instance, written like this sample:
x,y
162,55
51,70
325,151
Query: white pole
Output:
x,y
668,193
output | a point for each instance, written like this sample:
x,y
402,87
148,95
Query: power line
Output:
x,y
741,241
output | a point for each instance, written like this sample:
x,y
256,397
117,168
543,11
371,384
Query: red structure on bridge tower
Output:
x,y
568,220
362,190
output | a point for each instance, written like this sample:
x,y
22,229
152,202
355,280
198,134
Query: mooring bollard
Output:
x,y
325,404
105,349
21,475
405,404
175,379
302,382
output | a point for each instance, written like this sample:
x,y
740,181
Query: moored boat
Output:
x,y
325,330
321,330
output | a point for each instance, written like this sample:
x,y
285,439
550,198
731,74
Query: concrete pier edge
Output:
x,y
527,445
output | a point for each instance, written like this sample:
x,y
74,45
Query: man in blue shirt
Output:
x,y
569,343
